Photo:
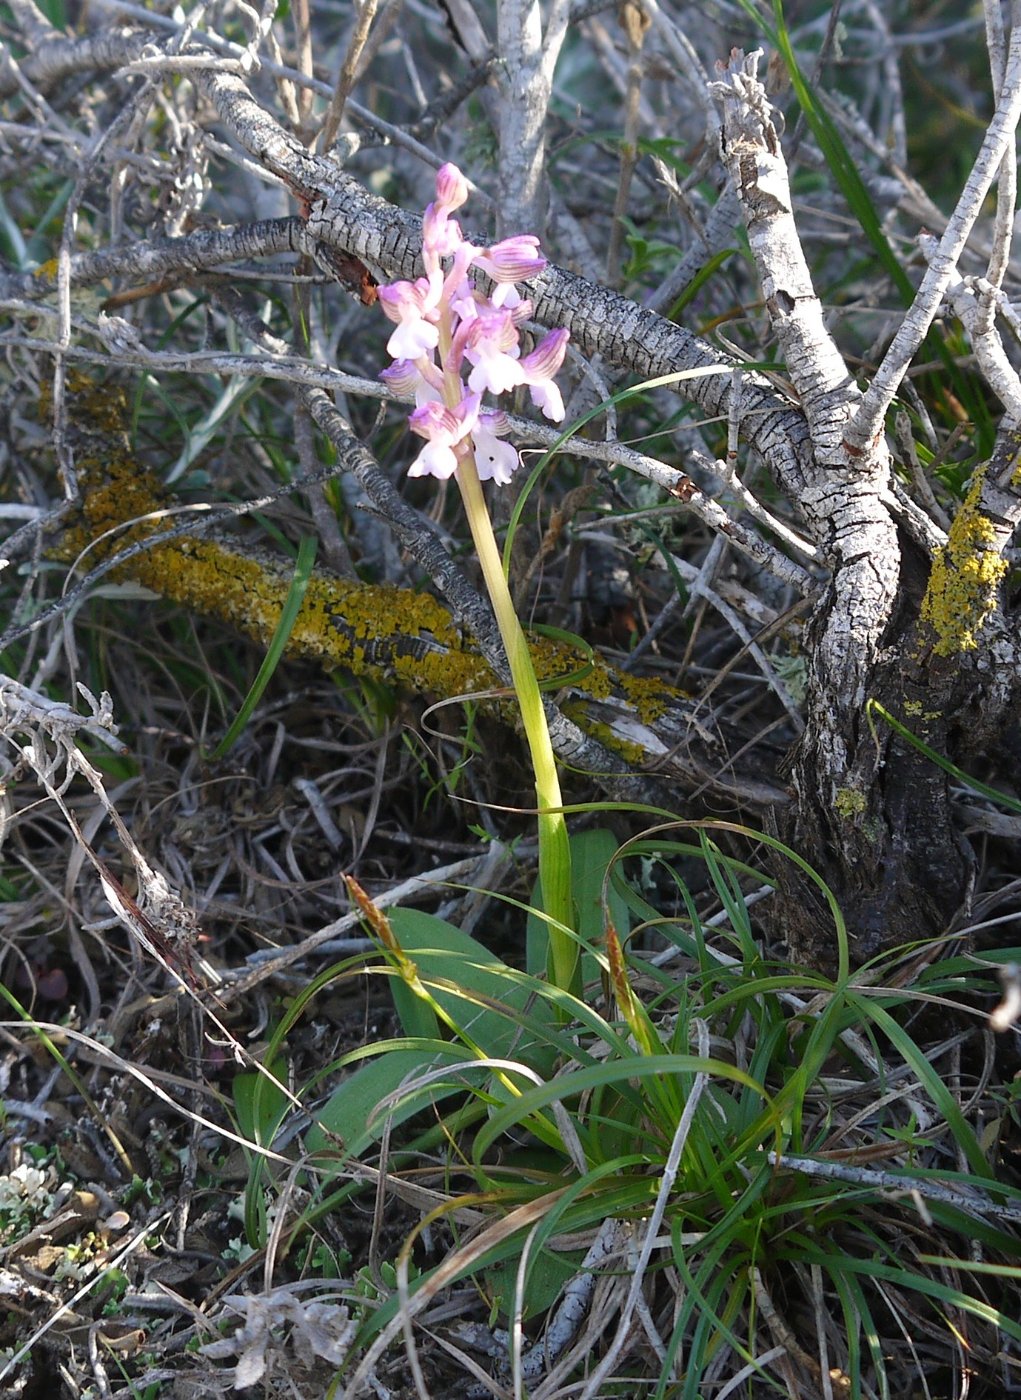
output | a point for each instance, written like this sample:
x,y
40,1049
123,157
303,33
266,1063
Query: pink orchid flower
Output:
x,y
445,429
443,319
537,370
409,304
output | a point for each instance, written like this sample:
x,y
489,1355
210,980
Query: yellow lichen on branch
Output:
x,y
393,635
964,584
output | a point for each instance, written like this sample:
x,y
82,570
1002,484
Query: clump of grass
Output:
x,y
687,1175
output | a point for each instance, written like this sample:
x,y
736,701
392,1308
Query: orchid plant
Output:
x,y
452,344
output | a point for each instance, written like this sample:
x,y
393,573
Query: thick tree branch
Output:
x,y
344,215
751,150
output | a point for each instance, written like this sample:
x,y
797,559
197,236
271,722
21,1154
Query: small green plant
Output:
x,y
693,1103
26,1194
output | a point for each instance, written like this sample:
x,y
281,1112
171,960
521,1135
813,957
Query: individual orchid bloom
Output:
x,y
495,460
492,348
537,370
409,304
444,430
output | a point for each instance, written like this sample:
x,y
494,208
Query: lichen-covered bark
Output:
x,y
608,721
872,813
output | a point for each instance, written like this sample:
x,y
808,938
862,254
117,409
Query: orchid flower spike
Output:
x,y
453,343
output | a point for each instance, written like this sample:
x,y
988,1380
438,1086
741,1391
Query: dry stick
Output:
x,y
528,52
34,25
149,261
717,235
974,301
888,57
635,24
972,1201
239,983
688,68
867,425
1006,190
905,441
569,1313
303,94
65,457
347,74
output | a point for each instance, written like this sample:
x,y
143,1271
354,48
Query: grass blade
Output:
x,y
288,617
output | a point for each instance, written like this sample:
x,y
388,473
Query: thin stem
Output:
x,y
554,847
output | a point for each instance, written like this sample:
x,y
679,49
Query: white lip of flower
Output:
x,y
444,308
444,429
494,460
410,304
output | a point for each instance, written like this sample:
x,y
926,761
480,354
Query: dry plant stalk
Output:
x,y
43,736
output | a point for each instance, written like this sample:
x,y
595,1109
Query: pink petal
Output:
x,y
547,357
513,259
406,377
451,186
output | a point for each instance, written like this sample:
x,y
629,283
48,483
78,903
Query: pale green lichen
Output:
x,y
964,584
849,802
914,709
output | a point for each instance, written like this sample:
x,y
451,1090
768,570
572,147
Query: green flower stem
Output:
x,y
554,847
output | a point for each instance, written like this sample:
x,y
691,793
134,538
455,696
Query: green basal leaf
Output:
x,y
350,1121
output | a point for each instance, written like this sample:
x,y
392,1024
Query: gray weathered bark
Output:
x,y
873,813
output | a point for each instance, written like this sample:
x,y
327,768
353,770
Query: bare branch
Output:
x,y
751,148
1000,134
529,53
